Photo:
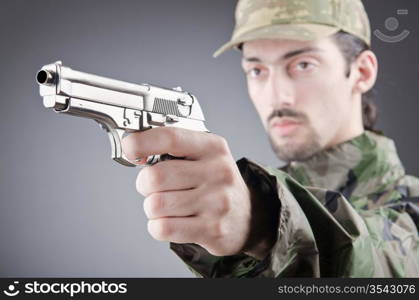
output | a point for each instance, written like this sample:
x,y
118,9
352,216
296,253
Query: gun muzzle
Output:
x,y
44,77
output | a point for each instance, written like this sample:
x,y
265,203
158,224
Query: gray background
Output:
x,y
66,209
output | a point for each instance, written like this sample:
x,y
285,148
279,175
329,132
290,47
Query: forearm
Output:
x,y
315,239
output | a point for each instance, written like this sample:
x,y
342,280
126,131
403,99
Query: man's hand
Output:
x,y
200,199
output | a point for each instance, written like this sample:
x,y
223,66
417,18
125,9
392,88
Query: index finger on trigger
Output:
x,y
161,140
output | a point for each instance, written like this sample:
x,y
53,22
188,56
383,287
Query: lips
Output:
x,y
285,126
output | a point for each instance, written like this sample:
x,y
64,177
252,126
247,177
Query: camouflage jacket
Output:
x,y
350,211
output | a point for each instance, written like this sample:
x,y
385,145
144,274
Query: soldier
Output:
x,y
342,206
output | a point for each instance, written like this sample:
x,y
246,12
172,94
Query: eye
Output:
x,y
254,72
303,65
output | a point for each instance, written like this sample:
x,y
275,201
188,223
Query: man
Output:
x,y
341,207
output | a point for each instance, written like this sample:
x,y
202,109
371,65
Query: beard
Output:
x,y
292,150
300,147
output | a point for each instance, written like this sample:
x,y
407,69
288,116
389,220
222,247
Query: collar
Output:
x,y
364,165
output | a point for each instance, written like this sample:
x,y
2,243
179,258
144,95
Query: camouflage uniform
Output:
x,y
350,211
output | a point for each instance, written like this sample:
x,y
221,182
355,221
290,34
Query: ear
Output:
x,y
365,67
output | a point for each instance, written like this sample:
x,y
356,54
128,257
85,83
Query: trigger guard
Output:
x,y
115,137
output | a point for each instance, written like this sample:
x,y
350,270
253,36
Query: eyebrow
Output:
x,y
287,55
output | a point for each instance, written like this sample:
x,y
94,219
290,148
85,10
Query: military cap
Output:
x,y
297,20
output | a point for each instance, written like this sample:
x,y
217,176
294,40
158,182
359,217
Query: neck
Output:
x,y
351,127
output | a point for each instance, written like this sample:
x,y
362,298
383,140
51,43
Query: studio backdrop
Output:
x,y
67,209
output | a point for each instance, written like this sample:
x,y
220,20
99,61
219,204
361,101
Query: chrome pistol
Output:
x,y
119,107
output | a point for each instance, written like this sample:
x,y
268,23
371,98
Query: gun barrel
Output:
x,y
44,77
103,82
59,83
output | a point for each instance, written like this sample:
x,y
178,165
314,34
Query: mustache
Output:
x,y
286,112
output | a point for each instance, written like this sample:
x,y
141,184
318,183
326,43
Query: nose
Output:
x,y
281,91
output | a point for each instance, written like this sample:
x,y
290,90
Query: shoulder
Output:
x,y
410,184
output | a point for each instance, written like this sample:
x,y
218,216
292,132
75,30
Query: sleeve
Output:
x,y
319,234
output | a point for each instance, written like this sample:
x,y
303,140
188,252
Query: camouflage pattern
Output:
x,y
297,19
350,211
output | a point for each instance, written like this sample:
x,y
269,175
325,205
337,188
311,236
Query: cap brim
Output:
x,y
301,32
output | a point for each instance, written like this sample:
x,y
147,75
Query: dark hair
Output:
x,y
351,47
